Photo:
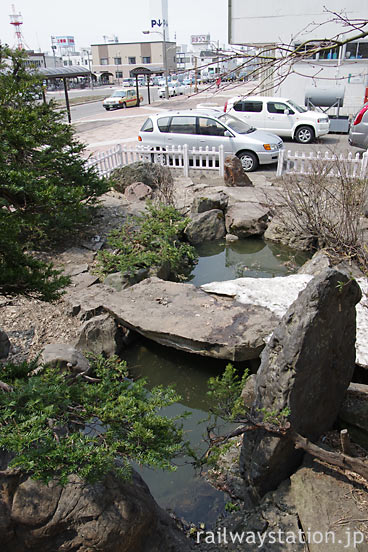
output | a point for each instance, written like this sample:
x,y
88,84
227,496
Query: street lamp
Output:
x,y
165,58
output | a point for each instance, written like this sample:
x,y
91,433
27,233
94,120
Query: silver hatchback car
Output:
x,y
201,128
358,133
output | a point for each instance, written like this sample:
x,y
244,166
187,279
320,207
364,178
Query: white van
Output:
x,y
280,116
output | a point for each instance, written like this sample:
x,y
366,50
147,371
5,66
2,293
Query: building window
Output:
x,y
86,62
70,62
332,53
117,61
104,61
146,60
119,74
307,50
65,62
131,60
356,50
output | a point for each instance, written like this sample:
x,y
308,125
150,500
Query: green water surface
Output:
x,y
184,491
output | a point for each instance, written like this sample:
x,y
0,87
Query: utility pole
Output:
x,y
195,75
166,70
165,65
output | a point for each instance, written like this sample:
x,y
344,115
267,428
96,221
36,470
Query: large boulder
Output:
x,y
119,281
331,508
138,192
100,335
234,174
151,174
4,345
278,232
247,219
268,527
306,367
110,516
206,226
210,200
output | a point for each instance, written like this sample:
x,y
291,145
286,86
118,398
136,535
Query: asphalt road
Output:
x,y
95,108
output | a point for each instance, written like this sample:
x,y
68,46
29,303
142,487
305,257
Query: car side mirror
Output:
x,y
228,134
286,111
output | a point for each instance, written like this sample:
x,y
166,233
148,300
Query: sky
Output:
x,y
90,21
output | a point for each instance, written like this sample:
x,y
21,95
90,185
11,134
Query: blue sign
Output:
x,y
158,23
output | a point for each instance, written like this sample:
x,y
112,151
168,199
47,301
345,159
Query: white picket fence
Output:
x,y
177,157
328,163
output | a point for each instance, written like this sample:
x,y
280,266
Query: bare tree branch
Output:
x,y
356,465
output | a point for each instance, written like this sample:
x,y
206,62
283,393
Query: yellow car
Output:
x,y
122,98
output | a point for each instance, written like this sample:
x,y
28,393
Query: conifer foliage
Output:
x,y
45,187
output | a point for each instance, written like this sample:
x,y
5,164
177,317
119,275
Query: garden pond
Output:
x,y
185,491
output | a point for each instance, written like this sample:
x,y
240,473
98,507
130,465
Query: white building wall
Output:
x,y
352,76
275,22
281,21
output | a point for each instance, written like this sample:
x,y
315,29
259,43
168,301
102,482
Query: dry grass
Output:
x,y
326,206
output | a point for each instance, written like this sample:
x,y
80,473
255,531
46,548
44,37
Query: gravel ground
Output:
x,y
31,323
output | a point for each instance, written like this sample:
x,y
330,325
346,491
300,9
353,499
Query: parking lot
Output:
x,y
101,130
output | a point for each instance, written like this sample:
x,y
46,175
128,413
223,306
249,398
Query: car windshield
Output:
x,y
119,94
238,126
297,107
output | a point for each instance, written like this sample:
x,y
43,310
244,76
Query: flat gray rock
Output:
x,y
186,318
332,505
63,356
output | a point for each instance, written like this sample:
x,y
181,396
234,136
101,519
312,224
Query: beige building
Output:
x,y
113,62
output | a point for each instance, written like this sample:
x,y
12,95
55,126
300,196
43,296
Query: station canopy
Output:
x,y
63,72
146,71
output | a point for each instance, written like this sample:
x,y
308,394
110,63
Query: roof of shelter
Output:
x,y
146,71
63,72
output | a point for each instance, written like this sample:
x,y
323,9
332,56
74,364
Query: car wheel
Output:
x,y
123,105
159,158
107,108
304,135
249,161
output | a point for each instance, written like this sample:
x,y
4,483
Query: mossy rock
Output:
x,y
150,174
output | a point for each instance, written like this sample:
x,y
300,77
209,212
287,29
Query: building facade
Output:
x,y
83,58
277,23
204,56
113,62
39,60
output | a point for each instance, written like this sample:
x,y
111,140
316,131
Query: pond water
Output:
x,y
252,258
183,491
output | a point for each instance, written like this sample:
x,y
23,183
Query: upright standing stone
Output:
x,y
306,366
234,174
4,344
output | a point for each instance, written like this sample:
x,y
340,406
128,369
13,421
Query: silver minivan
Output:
x,y
201,128
358,133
